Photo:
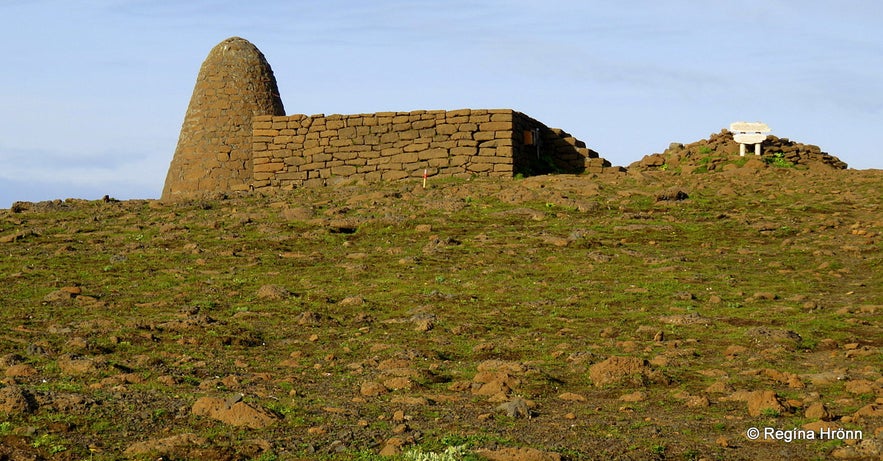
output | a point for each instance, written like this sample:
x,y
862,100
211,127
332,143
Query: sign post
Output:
x,y
749,133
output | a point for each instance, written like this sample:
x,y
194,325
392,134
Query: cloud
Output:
x,y
58,170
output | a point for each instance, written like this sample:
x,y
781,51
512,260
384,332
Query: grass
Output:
x,y
778,160
176,287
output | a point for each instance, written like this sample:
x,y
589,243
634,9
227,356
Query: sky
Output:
x,y
93,92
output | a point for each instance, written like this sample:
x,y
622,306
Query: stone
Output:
x,y
20,370
616,369
572,397
818,426
697,401
516,408
73,365
272,293
393,446
860,386
762,401
398,383
871,410
372,389
518,454
719,387
57,296
238,414
16,401
818,411
235,83
636,396
674,195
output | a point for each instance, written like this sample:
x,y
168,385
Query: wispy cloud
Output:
x,y
60,167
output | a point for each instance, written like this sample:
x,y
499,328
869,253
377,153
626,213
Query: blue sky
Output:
x,y
93,93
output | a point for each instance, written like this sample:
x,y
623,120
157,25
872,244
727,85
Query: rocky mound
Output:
x,y
721,152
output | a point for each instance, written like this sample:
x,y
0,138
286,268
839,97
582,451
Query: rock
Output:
x,y
723,442
761,401
398,383
616,369
765,296
16,401
675,195
423,325
497,377
372,389
163,447
73,365
867,448
719,387
518,454
697,401
571,397
817,426
636,396
70,403
297,214
716,153
310,318
516,408
352,301
494,386
393,446
272,293
238,414
57,296
417,401
871,410
20,370
734,351
860,386
818,411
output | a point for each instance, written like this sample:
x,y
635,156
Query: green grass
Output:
x,y
176,289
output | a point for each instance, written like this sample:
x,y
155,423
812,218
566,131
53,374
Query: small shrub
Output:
x,y
778,160
457,453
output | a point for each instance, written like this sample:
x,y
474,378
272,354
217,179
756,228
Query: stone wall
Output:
x,y
300,150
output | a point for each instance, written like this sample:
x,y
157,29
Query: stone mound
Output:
x,y
721,152
235,83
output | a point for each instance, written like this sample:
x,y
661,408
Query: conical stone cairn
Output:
x,y
235,83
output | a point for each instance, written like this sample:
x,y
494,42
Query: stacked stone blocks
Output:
x,y
235,82
301,150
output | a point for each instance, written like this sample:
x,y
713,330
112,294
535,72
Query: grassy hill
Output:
x,y
642,315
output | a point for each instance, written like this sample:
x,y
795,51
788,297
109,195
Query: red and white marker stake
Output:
x,y
425,172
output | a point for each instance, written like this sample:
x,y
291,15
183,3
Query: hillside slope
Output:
x,y
641,315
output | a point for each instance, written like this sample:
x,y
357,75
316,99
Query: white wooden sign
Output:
x,y
749,133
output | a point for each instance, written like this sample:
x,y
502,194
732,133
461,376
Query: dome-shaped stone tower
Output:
x,y
235,83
